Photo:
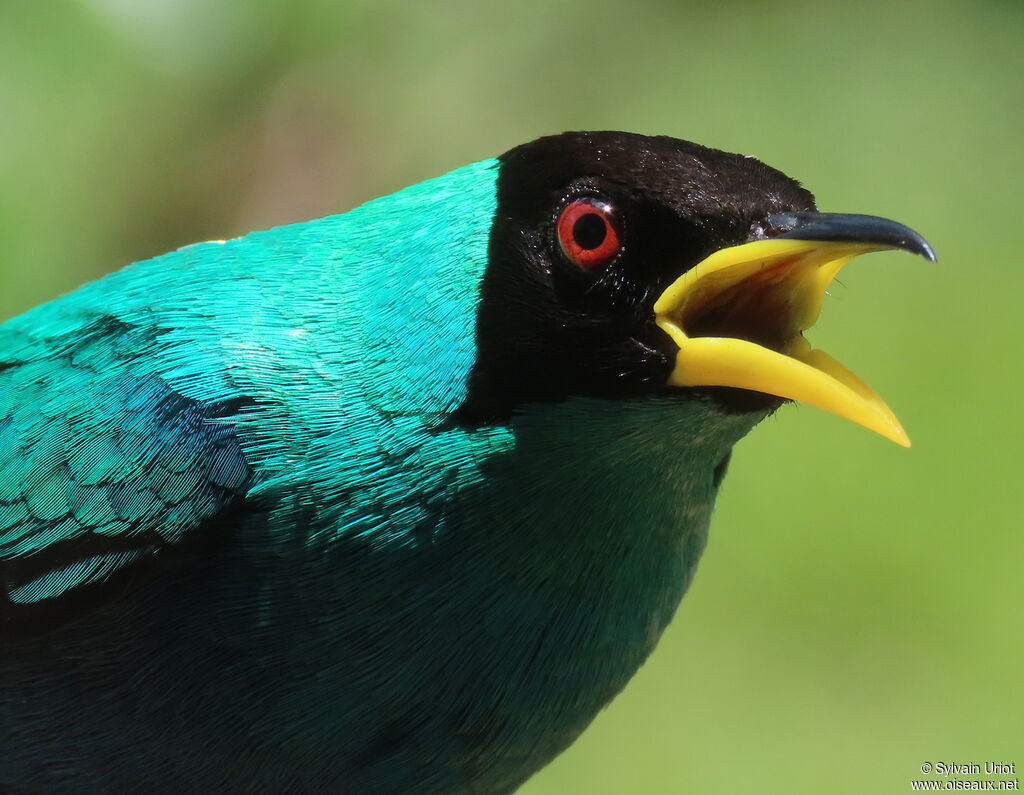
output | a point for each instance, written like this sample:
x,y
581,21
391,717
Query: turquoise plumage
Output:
x,y
389,501
180,343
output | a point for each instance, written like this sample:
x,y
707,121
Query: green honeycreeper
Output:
x,y
395,501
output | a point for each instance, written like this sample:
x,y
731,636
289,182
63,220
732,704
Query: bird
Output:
x,y
396,500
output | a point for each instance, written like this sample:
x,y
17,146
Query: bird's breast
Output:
x,y
546,583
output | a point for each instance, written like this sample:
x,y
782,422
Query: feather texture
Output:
x,y
249,543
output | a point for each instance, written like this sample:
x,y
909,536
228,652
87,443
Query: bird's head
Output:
x,y
622,264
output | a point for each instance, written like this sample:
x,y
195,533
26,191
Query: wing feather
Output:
x,y
102,463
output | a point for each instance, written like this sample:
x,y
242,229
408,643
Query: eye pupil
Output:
x,y
589,231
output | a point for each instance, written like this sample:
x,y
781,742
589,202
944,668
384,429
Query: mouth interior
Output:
x,y
758,308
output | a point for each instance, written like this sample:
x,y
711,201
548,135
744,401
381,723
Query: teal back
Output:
x,y
350,333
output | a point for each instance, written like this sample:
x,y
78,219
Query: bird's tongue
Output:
x,y
738,318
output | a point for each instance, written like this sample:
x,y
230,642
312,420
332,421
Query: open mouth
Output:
x,y
738,316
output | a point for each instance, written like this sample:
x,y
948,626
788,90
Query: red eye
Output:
x,y
589,233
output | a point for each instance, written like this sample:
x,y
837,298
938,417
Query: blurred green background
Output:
x,y
858,611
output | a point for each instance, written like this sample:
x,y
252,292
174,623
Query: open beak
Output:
x,y
738,316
